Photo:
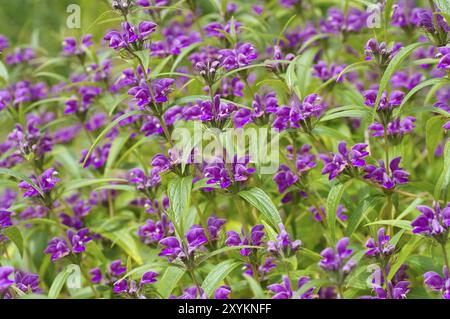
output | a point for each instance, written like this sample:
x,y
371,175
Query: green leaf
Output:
x,y
60,280
125,241
403,224
223,250
114,151
157,70
286,25
179,193
144,58
345,111
183,54
107,129
403,255
169,281
255,287
262,202
434,135
393,66
333,200
311,254
444,179
13,233
217,274
361,211
298,73
81,183
21,177
4,73
417,88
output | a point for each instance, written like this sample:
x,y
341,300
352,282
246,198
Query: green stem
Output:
x,y
444,252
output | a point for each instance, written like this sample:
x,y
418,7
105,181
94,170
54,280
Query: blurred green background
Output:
x,y
44,21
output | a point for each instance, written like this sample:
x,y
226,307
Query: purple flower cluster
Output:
x,y
59,247
346,161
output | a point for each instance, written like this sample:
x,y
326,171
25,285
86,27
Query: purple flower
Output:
x,y
386,103
30,143
160,89
253,239
284,178
149,278
299,114
120,286
437,283
96,121
195,237
5,219
131,37
4,44
380,53
5,282
217,171
70,46
320,214
396,128
78,240
379,175
263,106
223,292
97,158
401,79
20,55
116,268
215,29
337,22
216,112
325,73
27,282
193,293
394,291
284,290
339,258
432,222
58,248
7,198
153,231
96,275
381,246
239,57
344,161
214,225
143,182
446,126
283,244
46,182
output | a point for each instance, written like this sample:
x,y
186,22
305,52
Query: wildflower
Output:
x,y
345,161
283,244
381,246
70,46
432,222
195,237
46,182
337,259
379,175
254,239
284,290
131,37
239,57
438,283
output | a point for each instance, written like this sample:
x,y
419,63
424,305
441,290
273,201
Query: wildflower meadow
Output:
x,y
224,149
